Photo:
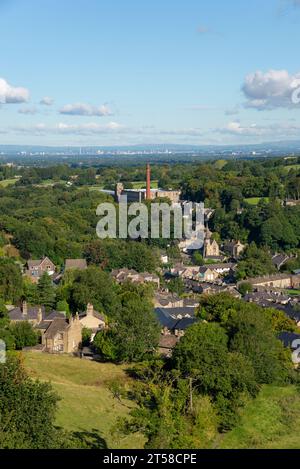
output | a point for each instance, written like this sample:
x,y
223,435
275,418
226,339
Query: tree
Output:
x,y
202,355
27,409
176,285
198,258
63,306
217,308
245,288
86,336
8,338
10,281
115,254
133,334
30,291
24,335
46,291
252,334
95,286
254,262
280,321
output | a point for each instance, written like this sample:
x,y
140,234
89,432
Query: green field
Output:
x,y
292,292
86,402
292,167
8,182
271,421
142,184
255,200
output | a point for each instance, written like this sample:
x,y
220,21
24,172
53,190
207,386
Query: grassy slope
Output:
x,y
86,402
294,167
8,182
272,421
256,200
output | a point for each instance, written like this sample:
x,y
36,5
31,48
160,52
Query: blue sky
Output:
x,y
94,72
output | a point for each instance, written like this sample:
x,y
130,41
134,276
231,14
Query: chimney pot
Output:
x,y
90,310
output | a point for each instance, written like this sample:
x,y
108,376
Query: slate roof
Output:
x,y
176,318
57,325
95,315
34,263
53,315
269,278
271,297
16,314
165,319
175,312
279,259
184,323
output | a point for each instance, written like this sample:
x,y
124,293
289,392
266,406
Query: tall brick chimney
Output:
x,y
148,192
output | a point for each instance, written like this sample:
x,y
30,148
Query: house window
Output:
x,y
58,348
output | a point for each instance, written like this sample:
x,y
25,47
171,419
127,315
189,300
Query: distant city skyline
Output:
x,y
128,72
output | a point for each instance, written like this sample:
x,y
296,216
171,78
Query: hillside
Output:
x,y
86,402
271,421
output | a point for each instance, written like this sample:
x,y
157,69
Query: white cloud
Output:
x,y
273,130
47,101
111,128
236,128
28,110
81,109
10,94
91,128
270,90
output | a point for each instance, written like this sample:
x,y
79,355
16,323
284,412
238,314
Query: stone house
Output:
x,y
223,268
234,249
278,260
207,274
276,281
58,334
36,268
63,336
175,320
92,320
125,275
35,315
167,300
